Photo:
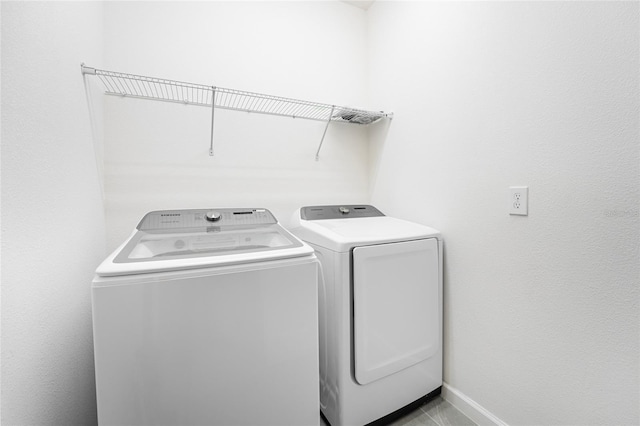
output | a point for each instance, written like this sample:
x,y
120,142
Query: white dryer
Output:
x,y
380,311
207,317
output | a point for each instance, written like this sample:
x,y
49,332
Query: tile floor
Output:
x,y
436,412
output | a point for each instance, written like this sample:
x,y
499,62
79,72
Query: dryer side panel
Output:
x,y
396,307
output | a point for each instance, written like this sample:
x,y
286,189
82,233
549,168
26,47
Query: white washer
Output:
x,y
380,311
207,318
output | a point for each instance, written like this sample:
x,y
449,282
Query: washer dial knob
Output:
x,y
344,210
213,216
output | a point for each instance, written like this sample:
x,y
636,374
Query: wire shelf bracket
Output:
x,y
142,87
213,115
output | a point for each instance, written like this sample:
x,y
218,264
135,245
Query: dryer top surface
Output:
x,y
342,235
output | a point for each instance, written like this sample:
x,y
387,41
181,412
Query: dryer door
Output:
x,y
396,307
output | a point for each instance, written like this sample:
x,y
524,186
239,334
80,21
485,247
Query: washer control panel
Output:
x,y
197,218
339,212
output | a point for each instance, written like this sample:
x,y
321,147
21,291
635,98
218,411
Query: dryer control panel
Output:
x,y
339,212
183,219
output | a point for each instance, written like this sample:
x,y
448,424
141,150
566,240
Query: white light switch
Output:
x,y
519,200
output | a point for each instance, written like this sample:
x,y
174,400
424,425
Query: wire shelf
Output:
x,y
137,86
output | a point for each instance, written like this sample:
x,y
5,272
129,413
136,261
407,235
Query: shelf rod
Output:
x,y
208,105
325,132
213,110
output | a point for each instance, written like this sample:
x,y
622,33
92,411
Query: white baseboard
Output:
x,y
469,407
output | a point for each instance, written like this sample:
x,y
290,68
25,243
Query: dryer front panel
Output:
x,y
396,307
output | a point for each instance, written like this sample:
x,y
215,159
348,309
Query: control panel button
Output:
x,y
344,210
213,216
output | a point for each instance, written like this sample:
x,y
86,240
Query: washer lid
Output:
x,y
342,235
187,239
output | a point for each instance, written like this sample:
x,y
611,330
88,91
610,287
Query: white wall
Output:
x,y
52,213
157,154
542,313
